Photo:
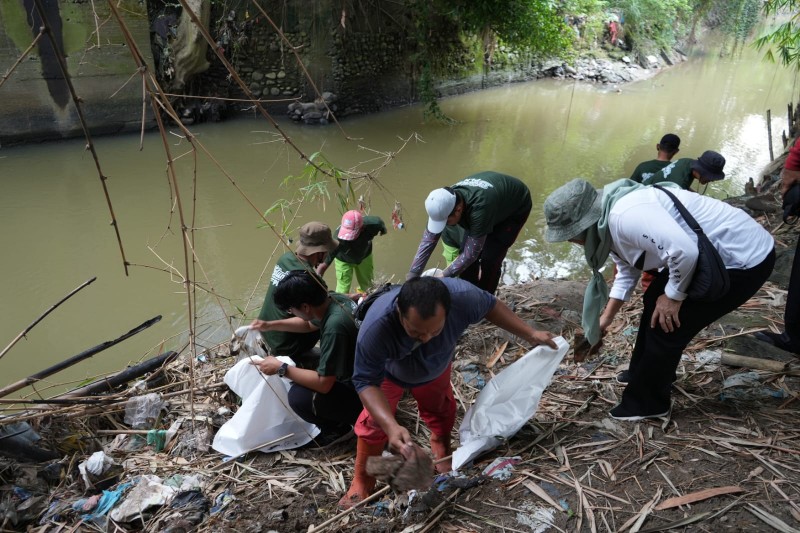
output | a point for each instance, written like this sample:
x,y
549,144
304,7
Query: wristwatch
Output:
x,y
282,370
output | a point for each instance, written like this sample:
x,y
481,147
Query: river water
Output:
x,y
56,231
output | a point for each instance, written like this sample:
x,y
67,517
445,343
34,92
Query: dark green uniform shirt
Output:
x,y
338,339
679,172
490,198
646,169
283,342
356,251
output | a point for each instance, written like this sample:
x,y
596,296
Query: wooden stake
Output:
x,y
769,134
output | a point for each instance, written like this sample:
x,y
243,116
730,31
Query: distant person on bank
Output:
x,y
789,338
638,225
705,169
324,396
407,343
354,254
314,243
491,208
665,151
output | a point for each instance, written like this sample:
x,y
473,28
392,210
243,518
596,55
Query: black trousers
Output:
x,y
657,353
791,315
484,273
340,406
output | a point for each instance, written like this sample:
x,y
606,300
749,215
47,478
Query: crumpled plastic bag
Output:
x,y
264,416
141,412
507,402
247,342
148,492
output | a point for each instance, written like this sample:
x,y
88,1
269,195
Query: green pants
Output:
x,y
450,253
344,274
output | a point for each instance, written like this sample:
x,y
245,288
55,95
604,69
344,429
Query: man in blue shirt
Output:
x,y
407,342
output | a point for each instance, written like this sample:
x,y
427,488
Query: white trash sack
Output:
x,y
507,402
264,416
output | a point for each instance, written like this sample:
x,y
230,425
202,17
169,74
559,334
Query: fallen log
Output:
x,y
770,365
120,378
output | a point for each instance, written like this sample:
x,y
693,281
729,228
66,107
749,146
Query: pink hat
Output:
x,y
352,222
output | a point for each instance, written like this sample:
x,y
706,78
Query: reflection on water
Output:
x,y
55,222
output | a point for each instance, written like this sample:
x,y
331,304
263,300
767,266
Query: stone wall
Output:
x,y
35,104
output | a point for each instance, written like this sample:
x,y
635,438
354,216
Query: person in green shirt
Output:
x,y
666,150
491,208
326,396
706,168
315,242
354,254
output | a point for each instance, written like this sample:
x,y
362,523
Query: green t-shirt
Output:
x,y
646,169
453,236
337,341
356,251
283,342
679,172
489,199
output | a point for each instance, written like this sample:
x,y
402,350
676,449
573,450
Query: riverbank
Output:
x,y
577,469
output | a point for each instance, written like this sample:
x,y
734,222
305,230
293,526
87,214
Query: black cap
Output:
x,y
710,165
670,142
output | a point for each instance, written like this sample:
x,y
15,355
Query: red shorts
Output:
x,y
435,400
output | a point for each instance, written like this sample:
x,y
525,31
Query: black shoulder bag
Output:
x,y
710,281
360,312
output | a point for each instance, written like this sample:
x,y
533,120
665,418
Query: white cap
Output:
x,y
439,205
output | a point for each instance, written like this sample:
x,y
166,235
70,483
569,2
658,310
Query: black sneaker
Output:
x,y
329,438
620,413
779,340
624,377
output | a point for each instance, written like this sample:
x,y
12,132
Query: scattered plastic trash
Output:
x,y
472,376
538,518
95,469
141,412
221,501
192,504
148,492
748,386
630,331
507,402
183,483
108,499
445,482
380,508
86,504
501,468
264,418
21,493
708,357
157,438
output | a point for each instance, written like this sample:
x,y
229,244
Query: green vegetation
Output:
x,y
782,42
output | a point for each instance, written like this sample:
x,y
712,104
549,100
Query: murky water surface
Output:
x,y
56,231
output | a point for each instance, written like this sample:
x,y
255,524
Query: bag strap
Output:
x,y
690,221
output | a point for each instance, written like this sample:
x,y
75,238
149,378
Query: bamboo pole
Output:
x,y
732,359
8,389
43,315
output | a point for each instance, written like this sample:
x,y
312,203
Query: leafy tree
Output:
x,y
782,42
653,23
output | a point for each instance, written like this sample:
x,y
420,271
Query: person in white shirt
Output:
x,y
641,229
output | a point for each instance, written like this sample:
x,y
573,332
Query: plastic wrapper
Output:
x,y
507,402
